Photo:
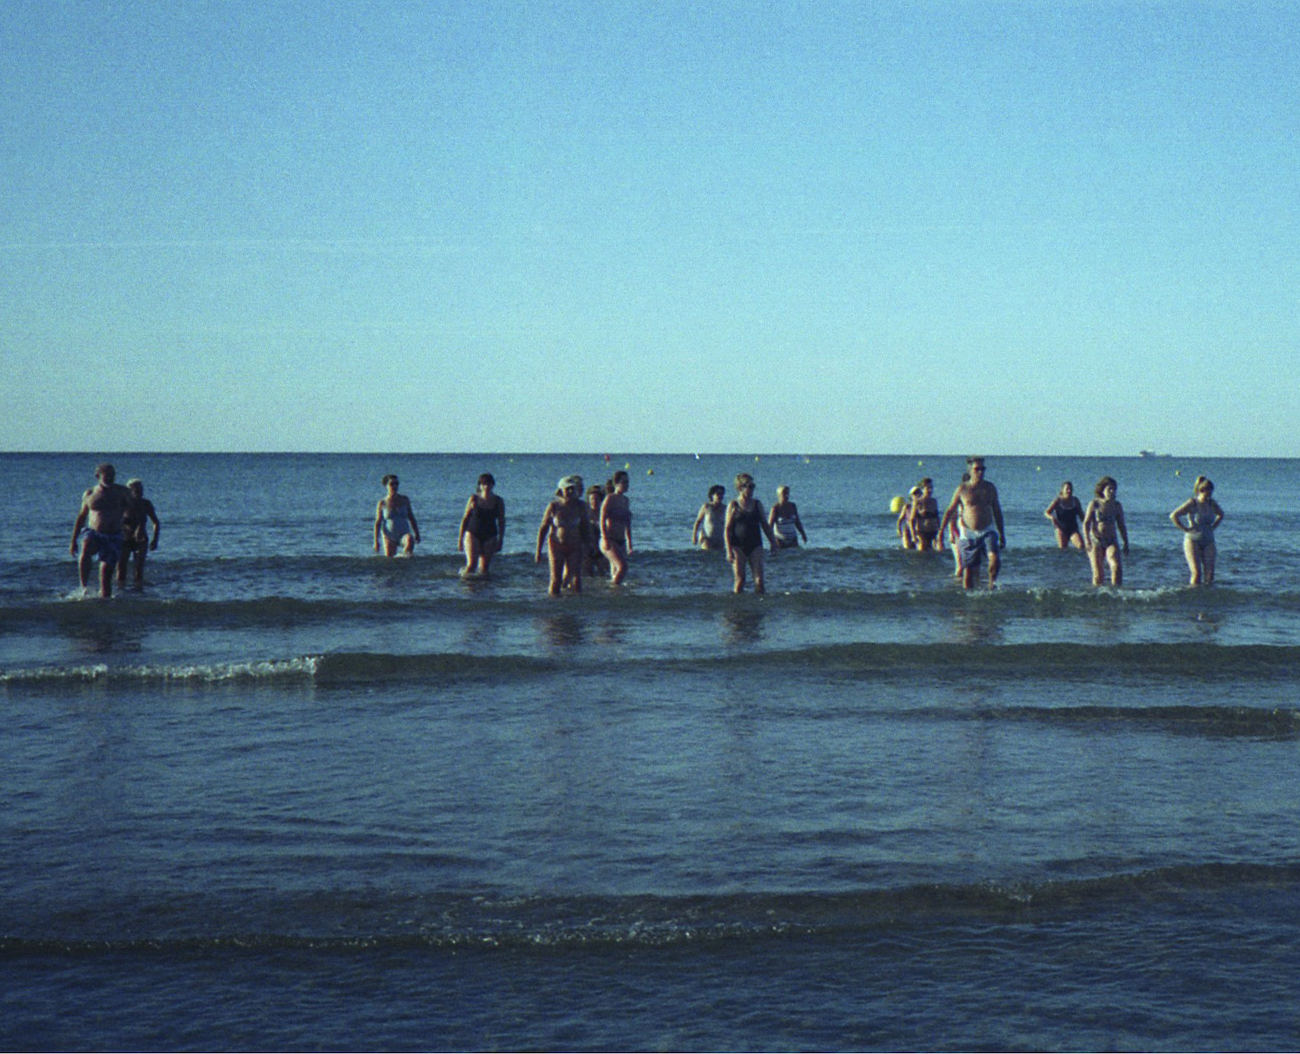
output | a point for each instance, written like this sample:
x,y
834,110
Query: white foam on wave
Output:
x,y
304,667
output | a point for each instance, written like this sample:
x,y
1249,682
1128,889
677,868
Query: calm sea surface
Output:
x,y
294,795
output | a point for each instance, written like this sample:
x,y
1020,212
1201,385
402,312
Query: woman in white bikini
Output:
x,y
1203,514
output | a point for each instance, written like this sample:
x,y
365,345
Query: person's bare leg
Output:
x,y
1190,550
1096,557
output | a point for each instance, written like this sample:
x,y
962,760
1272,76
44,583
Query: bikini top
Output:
x,y
566,518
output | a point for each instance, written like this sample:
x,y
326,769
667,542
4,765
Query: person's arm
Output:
x,y
997,518
799,523
604,521
379,518
152,514
542,532
1052,508
950,513
79,523
415,527
1119,524
464,520
695,530
1218,514
1178,514
501,523
726,530
767,527
1089,521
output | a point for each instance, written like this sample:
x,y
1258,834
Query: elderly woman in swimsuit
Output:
x,y
784,520
1066,512
565,530
923,519
904,525
616,528
1203,515
709,523
1103,529
483,527
395,520
744,530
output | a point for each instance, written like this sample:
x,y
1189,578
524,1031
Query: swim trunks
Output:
x,y
972,545
108,547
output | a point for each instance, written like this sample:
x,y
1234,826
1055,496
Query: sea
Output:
x,y
292,795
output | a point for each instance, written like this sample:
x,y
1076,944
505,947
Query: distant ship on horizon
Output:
x,y
1152,453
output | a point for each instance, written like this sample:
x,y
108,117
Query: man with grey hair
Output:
x,y
978,513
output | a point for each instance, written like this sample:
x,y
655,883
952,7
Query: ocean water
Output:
x,y
294,795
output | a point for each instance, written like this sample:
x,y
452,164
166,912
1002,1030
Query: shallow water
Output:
x,y
293,795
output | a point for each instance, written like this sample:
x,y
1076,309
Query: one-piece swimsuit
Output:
x,y
1202,517
746,528
482,522
396,524
1066,517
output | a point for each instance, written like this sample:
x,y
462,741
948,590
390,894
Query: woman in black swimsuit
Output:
x,y
483,527
1066,513
746,525
616,528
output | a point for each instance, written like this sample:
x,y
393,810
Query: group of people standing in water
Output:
x,y
112,529
590,532
1100,528
974,524
585,533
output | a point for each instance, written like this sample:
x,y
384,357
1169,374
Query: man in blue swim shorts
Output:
x,y
978,513
98,528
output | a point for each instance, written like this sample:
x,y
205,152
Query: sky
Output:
x,y
1043,227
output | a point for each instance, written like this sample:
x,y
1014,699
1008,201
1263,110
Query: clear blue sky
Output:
x,y
848,227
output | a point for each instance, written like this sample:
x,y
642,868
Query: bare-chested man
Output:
x,y
98,528
978,513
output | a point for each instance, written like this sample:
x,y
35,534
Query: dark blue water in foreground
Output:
x,y
291,795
